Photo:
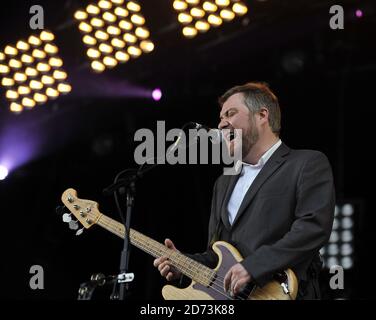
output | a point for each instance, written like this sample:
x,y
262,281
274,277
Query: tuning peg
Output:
x,y
73,225
79,231
67,217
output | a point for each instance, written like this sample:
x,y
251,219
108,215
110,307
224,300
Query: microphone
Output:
x,y
216,134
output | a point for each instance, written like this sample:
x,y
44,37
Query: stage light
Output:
x,y
110,61
209,6
36,85
184,18
89,40
98,23
133,6
359,13
55,62
214,20
11,95
80,15
340,249
142,33
189,32
156,94
101,35
200,15
202,25
46,36
121,12
227,15
25,58
20,77
179,5
64,88
47,80
128,37
38,54
7,82
122,56
197,13
10,51
3,172
115,31
29,67
22,45
51,49
222,3
137,19
93,53
147,46
105,48
109,17
118,43
35,41
15,107
52,93
134,51
240,8
59,75
4,69
28,102
40,98
97,66
23,90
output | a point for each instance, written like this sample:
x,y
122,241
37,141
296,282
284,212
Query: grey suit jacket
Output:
x,y
284,219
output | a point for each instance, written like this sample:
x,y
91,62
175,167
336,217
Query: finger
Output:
x,y
162,265
169,276
158,261
169,244
239,285
165,271
227,280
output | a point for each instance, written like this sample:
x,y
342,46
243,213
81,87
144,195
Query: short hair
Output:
x,y
256,96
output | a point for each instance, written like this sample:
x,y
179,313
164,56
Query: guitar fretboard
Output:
x,y
189,267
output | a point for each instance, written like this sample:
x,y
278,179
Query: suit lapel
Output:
x,y
230,187
275,161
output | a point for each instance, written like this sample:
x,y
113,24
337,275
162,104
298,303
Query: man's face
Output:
x,y
235,115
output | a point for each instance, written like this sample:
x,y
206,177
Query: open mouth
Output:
x,y
231,136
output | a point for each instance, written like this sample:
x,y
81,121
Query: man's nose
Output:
x,y
223,124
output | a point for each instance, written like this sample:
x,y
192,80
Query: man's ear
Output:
x,y
263,114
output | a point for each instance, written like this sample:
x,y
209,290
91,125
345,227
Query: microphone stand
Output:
x,y
133,175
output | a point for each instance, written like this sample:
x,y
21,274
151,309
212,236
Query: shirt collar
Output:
x,y
240,165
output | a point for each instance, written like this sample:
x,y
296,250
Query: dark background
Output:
x,y
324,79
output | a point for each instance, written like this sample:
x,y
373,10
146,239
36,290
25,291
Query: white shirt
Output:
x,y
247,176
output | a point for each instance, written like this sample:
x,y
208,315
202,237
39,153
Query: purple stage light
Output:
x,y
3,172
157,94
359,13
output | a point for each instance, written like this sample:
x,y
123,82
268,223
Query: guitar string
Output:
x,y
191,273
244,294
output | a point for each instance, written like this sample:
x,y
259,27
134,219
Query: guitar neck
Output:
x,y
189,267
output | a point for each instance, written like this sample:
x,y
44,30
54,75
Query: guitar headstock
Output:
x,y
86,211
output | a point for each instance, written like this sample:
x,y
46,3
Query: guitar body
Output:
x,y
228,256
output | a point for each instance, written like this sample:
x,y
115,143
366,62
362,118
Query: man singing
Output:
x,y
278,211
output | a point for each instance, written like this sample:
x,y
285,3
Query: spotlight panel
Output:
x,y
28,70
340,249
198,16
113,32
